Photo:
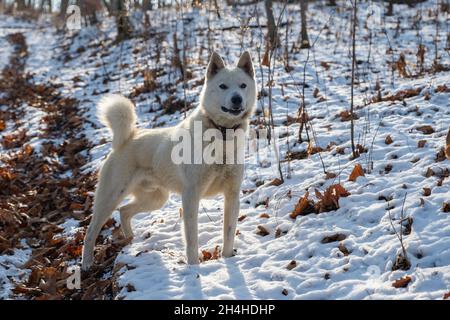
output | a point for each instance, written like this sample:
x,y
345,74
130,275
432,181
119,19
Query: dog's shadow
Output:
x,y
236,280
221,279
152,276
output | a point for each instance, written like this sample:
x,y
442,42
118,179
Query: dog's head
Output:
x,y
229,94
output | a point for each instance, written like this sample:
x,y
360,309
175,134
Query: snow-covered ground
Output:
x,y
153,265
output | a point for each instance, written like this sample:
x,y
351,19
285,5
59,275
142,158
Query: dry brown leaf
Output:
x,y
262,231
442,88
347,116
400,66
339,190
441,156
330,175
303,207
402,282
276,182
56,241
357,172
34,278
216,253
28,150
426,129
130,288
399,96
291,265
316,92
342,248
7,175
421,143
401,263
407,225
333,238
206,255
313,149
265,61
296,155
325,65
20,289
388,168
76,206
278,233
388,139
74,250
361,149
446,207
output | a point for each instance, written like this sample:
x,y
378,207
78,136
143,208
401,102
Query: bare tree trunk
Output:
x,y
119,8
92,6
331,3
390,11
216,6
82,5
63,8
271,27
44,3
107,6
304,33
20,5
147,5
352,125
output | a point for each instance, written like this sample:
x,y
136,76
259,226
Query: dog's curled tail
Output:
x,y
117,113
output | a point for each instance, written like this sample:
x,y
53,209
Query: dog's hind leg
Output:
x,y
143,201
114,185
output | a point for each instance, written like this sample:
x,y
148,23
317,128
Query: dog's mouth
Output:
x,y
234,112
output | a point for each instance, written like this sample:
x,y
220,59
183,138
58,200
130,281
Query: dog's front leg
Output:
x,y
190,199
231,213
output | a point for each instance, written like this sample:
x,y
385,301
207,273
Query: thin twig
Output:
x,y
399,236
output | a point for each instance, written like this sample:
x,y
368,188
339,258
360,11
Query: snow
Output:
x,y
11,269
154,263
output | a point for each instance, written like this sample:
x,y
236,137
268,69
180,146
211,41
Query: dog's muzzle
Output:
x,y
235,110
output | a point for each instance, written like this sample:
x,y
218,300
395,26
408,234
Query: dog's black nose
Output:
x,y
236,100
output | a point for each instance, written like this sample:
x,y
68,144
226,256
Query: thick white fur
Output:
x,y
140,162
117,113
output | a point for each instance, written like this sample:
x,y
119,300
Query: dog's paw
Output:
x,y
228,253
192,260
86,264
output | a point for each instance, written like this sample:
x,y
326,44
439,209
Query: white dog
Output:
x,y
141,161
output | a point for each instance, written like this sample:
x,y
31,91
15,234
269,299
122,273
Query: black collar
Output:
x,y
222,129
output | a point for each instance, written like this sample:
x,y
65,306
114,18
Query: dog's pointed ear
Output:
x,y
246,64
215,65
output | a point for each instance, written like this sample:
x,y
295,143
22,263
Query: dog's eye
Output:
x,y
243,86
223,86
